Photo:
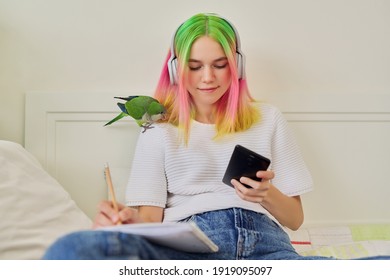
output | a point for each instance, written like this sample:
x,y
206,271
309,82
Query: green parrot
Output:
x,y
145,110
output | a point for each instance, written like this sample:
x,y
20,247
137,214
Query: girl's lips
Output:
x,y
208,89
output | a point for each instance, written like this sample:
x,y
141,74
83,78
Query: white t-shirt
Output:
x,y
187,180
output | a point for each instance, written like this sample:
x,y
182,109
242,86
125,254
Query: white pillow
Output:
x,y
34,208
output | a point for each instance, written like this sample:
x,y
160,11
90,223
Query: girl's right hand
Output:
x,y
107,215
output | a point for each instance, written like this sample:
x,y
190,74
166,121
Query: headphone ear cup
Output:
x,y
240,65
172,70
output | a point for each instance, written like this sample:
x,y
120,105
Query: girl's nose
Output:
x,y
208,74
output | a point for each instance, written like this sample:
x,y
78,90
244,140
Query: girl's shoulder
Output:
x,y
267,107
268,111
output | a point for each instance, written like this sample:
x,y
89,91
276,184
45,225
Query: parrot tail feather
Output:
x,y
120,116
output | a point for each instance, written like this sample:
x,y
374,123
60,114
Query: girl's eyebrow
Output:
x,y
199,61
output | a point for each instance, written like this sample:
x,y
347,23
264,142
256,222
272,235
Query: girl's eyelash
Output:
x,y
217,66
220,66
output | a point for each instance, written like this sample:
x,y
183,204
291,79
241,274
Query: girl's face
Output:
x,y
209,74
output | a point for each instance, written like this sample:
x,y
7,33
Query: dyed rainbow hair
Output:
x,y
235,111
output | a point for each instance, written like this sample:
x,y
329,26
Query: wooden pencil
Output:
x,y
111,189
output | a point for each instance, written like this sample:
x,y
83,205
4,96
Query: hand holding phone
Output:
x,y
244,163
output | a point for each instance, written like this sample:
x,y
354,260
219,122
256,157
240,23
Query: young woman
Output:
x,y
179,164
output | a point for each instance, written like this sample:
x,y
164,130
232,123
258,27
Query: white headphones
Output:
x,y
240,58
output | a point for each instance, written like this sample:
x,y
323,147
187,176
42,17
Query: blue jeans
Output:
x,y
239,233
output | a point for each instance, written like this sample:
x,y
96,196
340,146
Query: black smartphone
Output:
x,y
244,162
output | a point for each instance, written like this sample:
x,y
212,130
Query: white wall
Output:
x,y
292,47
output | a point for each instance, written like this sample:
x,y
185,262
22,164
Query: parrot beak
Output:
x,y
164,117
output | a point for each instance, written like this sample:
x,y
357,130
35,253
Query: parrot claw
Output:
x,y
146,126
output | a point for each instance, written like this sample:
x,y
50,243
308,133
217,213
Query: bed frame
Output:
x,y
344,140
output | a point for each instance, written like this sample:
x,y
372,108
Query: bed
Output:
x,y
52,184
34,208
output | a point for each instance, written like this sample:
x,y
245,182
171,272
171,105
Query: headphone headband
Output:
x,y
240,58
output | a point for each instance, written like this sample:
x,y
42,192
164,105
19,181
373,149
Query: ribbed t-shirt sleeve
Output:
x,y
147,183
292,176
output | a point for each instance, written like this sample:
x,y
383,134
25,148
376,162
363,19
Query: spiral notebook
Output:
x,y
186,237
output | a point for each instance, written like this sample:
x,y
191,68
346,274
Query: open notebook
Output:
x,y
180,236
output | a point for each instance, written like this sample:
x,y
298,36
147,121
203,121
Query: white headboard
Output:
x,y
344,139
